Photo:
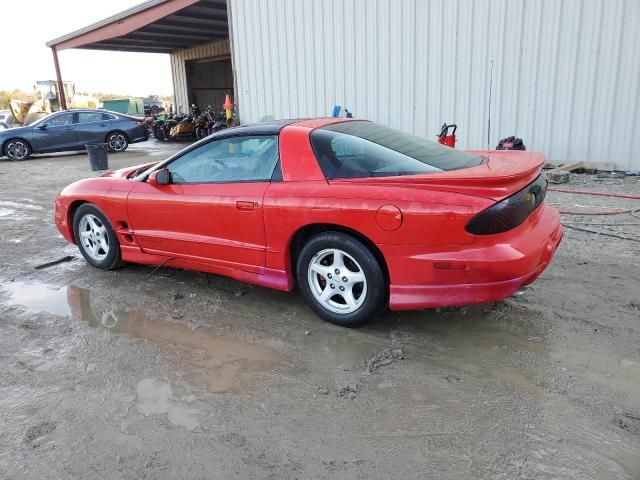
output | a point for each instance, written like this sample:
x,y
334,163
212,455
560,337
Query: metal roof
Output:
x,y
155,26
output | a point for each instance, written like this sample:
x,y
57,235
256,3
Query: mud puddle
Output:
x,y
505,345
162,398
38,297
214,362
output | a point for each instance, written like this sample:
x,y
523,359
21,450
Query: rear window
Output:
x,y
364,149
88,117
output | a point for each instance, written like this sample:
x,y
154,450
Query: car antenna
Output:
x,y
489,115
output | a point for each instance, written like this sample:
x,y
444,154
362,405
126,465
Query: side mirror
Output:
x,y
160,177
42,126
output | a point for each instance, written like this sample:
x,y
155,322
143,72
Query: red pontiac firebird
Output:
x,y
357,215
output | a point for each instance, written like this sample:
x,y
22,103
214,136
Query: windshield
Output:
x,y
364,149
42,120
46,90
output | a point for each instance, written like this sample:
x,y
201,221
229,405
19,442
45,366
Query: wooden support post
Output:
x,y
61,93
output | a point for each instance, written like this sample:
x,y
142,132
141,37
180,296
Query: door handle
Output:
x,y
69,128
246,206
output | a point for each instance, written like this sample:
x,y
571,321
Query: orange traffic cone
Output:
x,y
227,103
228,106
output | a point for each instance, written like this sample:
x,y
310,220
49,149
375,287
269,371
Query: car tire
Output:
x,y
117,142
343,264
96,238
158,132
17,149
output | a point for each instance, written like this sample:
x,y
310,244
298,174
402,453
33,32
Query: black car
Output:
x,y
153,107
72,130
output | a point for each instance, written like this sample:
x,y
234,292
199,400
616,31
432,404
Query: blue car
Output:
x,y
72,130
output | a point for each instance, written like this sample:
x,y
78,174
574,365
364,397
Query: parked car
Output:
x,y
72,130
153,107
357,215
6,119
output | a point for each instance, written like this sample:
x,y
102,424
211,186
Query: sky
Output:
x,y
24,57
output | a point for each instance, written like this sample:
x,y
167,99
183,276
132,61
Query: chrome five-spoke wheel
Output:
x,y
341,279
337,281
93,237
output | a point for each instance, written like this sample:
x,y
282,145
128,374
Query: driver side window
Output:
x,y
236,159
60,120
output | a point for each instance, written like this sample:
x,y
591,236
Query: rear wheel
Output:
x,y
96,238
117,142
158,132
17,149
341,279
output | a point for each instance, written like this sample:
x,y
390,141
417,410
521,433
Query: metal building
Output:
x,y
562,74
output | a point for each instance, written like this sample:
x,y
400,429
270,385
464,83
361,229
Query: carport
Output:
x,y
194,32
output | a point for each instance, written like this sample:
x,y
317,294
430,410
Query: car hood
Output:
x,y
502,174
14,132
128,172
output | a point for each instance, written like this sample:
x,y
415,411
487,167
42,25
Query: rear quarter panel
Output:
x,y
429,218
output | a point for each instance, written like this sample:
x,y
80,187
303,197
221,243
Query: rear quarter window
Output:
x,y
360,149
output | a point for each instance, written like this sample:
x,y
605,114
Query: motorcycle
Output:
x,y
218,123
185,128
202,123
158,129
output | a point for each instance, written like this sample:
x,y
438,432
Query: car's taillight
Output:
x,y
510,212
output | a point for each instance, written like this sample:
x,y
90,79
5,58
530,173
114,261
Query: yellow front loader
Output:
x,y
49,101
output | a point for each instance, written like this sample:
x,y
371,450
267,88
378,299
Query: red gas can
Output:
x,y
444,138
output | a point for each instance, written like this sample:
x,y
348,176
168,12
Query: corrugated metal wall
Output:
x,y
565,72
178,71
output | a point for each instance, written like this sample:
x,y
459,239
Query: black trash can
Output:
x,y
98,156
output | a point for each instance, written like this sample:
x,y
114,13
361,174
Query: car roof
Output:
x,y
273,127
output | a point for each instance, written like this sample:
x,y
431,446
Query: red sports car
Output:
x,y
357,215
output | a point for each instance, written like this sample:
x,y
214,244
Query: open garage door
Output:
x,y
209,81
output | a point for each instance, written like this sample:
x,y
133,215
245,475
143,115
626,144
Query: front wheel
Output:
x,y
117,142
201,132
341,279
17,150
96,238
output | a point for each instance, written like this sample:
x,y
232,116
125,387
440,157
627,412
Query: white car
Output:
x,y
6,119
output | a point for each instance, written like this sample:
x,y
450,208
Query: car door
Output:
x,y
91,127
54,134
212,209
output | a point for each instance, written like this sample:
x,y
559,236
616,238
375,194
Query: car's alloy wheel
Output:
x,y
117,142
337,281
96,238
341,279
17,150
93,237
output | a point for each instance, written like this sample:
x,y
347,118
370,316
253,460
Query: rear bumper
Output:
x,y
139,134
491,269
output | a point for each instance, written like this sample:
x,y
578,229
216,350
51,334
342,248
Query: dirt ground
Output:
x,y
123,375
